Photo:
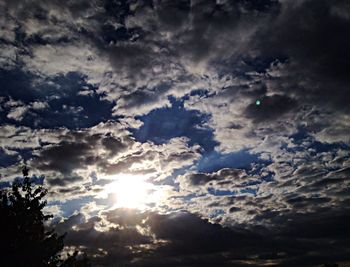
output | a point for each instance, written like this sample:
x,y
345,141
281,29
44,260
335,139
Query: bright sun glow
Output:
x,y
132,191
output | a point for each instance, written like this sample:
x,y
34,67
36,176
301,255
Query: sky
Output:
x,y
183,133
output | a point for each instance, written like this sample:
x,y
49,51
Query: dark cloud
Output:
x,y
132,58
65,157
169,236
270,107
62,182
81,148
190,234
180,12
114,145
316,44
194,241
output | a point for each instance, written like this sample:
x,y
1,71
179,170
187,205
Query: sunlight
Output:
x,y
132,191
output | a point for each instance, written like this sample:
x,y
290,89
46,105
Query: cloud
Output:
x,y
159,239
269,108
141,102
137,50
148,237
76,77
72,158
17,110
13,137
17,113
37,105
199,179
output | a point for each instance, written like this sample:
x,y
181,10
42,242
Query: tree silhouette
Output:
x,y
24,240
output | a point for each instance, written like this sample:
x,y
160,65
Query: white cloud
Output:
x,y
37,105
17,113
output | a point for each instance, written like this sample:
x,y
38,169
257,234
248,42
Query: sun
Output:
x,y
132,191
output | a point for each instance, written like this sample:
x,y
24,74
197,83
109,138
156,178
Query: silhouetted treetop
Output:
x,y
24,240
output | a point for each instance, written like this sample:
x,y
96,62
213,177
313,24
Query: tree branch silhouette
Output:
x,y
24,241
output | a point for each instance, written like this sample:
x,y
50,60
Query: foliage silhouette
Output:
x,y
24,240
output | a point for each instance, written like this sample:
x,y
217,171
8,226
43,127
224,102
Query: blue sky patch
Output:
x,y
163,124
65,106
7,160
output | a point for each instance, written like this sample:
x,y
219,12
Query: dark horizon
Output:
x,y
184,133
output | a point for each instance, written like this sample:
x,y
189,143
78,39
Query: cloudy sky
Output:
x,y
183,133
